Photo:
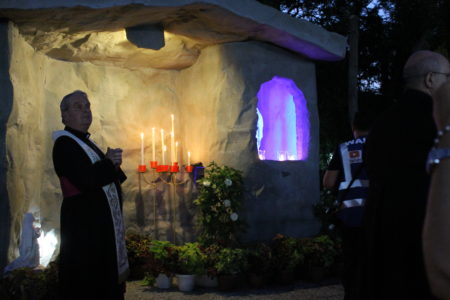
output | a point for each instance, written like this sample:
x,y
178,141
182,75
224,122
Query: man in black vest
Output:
x,y
346,173
93,259
396,152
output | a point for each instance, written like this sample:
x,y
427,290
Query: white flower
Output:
x,y
331,227
228,182
227,203
206,183
234,217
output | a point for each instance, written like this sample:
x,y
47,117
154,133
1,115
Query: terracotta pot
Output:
x,y
285,277
317,274
257,280
228,282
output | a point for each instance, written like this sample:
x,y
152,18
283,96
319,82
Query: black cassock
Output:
x,y
396,151
88,264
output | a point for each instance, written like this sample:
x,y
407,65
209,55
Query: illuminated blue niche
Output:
x,y
283,121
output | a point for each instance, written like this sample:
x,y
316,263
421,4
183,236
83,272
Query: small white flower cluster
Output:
x,y
228,182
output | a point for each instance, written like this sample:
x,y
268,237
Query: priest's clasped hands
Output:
x,y
115,155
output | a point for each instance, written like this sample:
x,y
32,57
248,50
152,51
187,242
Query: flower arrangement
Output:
x,y
163,257
219,200
190,259
320,251
286,253
231,261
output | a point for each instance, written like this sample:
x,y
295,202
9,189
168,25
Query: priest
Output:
x,y
93,258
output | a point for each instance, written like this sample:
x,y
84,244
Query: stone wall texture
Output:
x,y
214,103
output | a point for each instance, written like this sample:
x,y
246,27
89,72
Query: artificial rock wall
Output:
x,y
214,103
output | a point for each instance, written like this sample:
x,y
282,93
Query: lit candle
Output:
x,y
162,142
153,144
176,151
163,155
172,140
189,158
142,148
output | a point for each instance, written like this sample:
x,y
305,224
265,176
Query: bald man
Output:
x,y
436,231
396,152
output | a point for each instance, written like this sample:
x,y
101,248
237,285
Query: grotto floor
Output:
x,y
330,289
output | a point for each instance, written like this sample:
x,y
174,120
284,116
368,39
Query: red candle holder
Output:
x,y
142,168
174,168
189,168
162,168
153,164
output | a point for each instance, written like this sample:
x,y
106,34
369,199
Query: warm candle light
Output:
x,y
189,158
176,151
153,144
162,141
142,148
163,155
172,140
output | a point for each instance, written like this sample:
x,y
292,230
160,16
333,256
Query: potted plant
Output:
x,y
320,254
162,253
287,256
259,259
190,262
209,277
139,256
219,200
231,262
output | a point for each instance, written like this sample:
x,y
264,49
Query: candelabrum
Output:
x,y
166,175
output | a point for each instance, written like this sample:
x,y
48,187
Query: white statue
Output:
x,y
28,246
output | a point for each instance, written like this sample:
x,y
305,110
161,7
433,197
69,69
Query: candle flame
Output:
x,y
189,154
176,144
142,135
165,148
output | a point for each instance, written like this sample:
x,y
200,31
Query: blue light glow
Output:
x,y
283,121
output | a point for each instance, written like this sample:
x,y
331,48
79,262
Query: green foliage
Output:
x,y
219,200
139,256
320,251
231,261
163,257
27,283
190,259
259,258
286,253
211,254
325,210
149,280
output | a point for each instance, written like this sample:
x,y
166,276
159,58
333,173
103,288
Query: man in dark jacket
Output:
x,y
93,258
396,152
347,175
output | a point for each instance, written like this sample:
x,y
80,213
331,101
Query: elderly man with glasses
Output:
x,y
396,153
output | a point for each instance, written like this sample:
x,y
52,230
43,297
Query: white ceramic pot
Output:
x,y
163,282
186,282
206,281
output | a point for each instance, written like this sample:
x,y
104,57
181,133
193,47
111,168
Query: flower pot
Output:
x,y
257,281
228,282
317,274
186,282
163,281
285,277
206,281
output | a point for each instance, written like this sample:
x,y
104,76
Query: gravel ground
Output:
x,y
329,290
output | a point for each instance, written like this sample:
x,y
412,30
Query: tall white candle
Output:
x,y
172,140
163,155
189,158
162,143
142,148
176,151
153,144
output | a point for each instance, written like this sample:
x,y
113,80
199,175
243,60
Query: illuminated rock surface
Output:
x,y
215,58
